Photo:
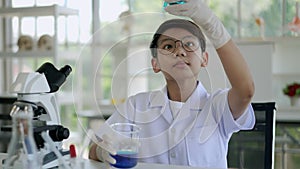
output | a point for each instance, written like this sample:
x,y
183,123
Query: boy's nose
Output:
x,y
179,50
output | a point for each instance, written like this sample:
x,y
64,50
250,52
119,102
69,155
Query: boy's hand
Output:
x,y
198,11
105,149
194,9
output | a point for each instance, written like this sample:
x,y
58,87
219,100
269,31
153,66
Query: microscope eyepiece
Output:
x,y
55,78
66,70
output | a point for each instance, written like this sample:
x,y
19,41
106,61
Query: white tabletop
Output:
x,y
90,164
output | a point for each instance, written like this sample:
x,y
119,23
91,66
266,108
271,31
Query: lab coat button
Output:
x,y
173,130
173,155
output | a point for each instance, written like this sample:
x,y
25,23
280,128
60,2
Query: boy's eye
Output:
x,y
168,47
189,44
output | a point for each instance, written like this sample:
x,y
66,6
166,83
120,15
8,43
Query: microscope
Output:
x,y
38,90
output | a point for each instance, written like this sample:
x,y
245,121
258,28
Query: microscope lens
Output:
x,y
66,70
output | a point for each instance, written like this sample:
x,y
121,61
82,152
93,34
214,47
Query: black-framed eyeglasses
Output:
x,y
167,46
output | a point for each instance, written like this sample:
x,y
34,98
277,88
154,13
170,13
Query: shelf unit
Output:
x,y
60,52
54,54
288,114
54,11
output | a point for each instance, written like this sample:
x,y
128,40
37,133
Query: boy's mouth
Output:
x,y
181,64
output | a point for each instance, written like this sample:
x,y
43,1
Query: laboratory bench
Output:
x,y
287,140
91,164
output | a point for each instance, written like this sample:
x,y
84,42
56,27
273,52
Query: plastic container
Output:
x,y
22,150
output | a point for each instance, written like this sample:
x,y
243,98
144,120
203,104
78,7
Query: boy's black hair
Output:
x,y
177,23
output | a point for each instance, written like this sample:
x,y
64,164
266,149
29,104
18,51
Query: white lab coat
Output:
x,y
198,136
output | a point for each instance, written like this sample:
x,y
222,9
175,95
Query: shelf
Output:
x,y
54,11
26,54
287,74
284,39
66,55
256,41
288,108
288,114
37,11
267,40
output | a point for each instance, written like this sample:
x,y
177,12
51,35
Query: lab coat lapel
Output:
x,y
190,109
208,120
187,116
193,105
182,124
160,99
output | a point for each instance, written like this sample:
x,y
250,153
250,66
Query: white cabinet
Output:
x,y
286,70
273,64
259,58
285,66
258,55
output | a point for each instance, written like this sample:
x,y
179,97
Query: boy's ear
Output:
x,y
155,65
204,59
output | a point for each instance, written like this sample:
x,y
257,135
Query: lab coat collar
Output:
x,y
193,105
160,98
198,97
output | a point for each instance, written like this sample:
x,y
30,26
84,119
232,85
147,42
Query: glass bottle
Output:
x,y
22,150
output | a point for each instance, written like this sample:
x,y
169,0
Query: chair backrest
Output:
x,y
254,149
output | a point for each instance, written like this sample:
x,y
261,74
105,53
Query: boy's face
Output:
x,y
179,55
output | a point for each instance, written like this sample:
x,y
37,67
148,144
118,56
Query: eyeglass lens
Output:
x,y
167,46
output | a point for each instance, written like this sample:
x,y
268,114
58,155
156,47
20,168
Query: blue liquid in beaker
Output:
x,y
125,159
